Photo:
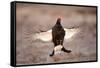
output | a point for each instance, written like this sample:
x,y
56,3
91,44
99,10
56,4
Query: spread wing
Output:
x,y
43,36
47,36
69,33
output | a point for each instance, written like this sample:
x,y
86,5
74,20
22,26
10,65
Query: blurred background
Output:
x,y
34,18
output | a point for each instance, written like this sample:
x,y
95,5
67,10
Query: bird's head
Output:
x,y
58,21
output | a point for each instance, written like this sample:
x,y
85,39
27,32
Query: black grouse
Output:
x,y
58,34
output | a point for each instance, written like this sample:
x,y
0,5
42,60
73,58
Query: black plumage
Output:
x,y
58,34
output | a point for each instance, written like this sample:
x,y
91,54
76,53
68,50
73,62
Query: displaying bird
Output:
x,y
57,35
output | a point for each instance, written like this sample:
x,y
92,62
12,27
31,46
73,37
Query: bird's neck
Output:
x,y
58,23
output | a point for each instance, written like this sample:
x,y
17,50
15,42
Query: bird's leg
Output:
x,y
57,42
61,42
52,53
65,50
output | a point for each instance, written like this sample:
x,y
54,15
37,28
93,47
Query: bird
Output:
x,y
58,34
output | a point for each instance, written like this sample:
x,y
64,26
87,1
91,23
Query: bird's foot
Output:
x,y
51,55
68,51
